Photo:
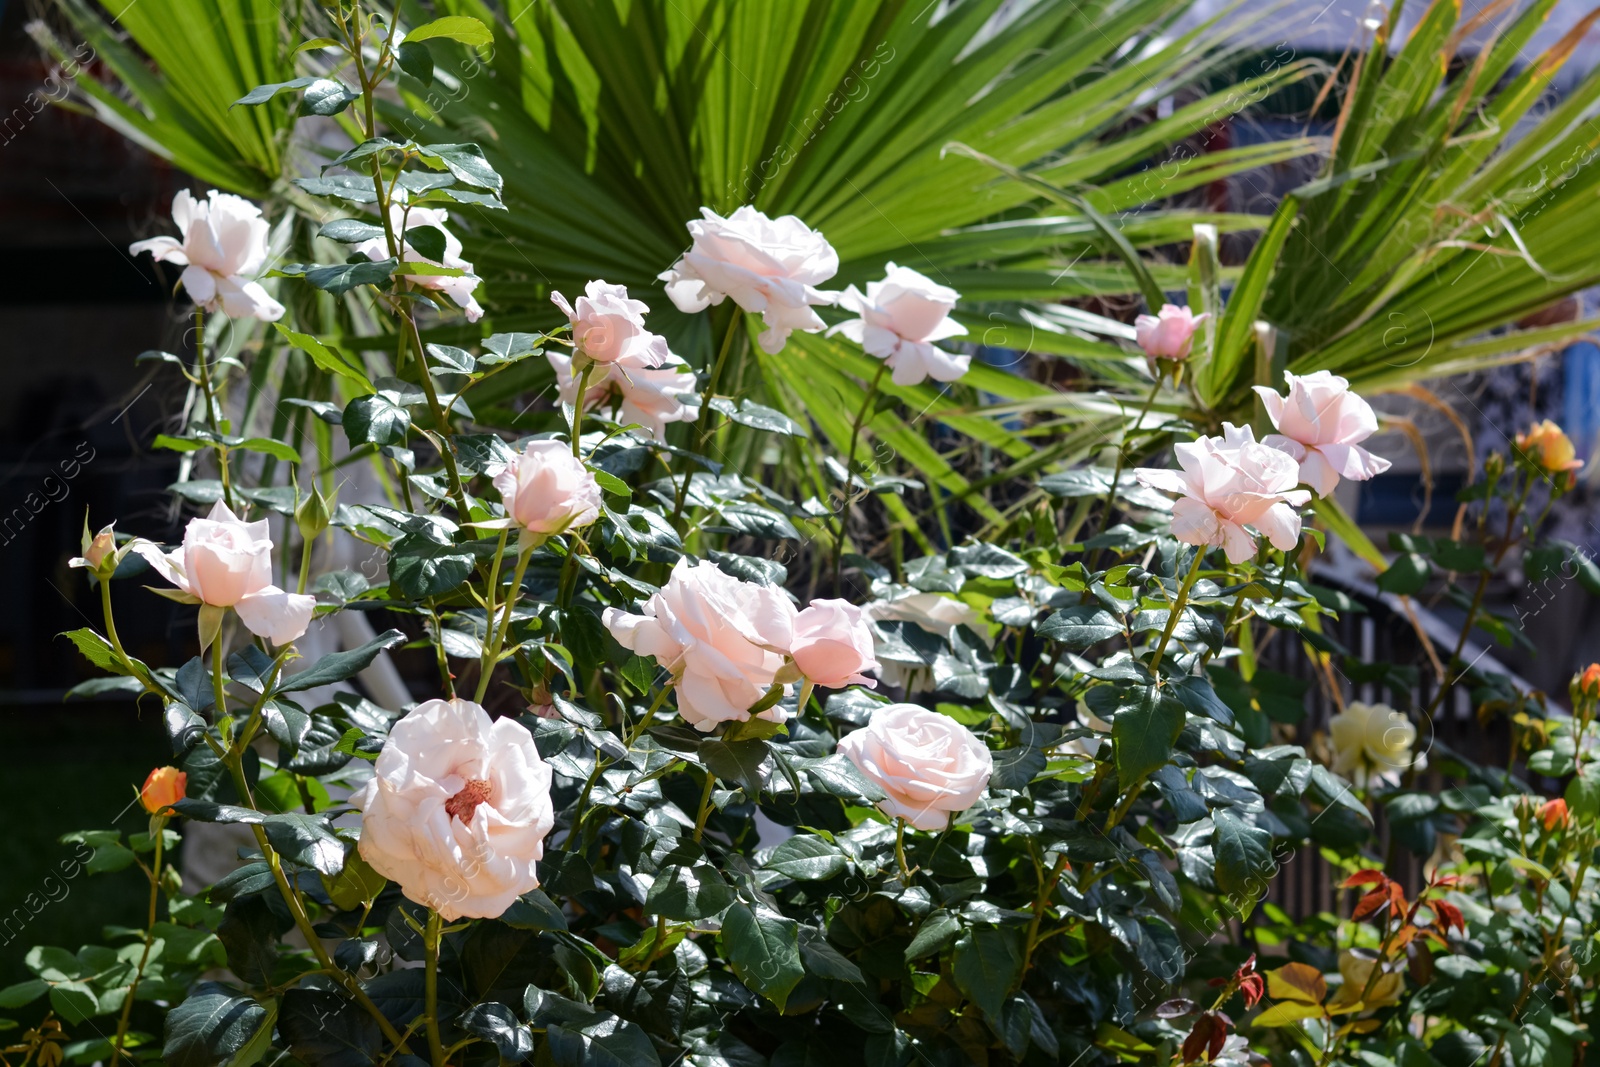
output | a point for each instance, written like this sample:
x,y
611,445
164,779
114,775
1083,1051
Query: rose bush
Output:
x,y
1017,796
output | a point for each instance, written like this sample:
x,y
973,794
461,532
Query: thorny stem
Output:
x,y
849,464
705,411
212,403
1122,454
160,828
900,851
492,653
1047,889
1177,609
430,988
705,810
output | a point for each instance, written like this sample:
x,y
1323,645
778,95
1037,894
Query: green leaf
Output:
x,y
937,930
275,449
350,232
806,857
1080,627
15,996
467,30
688,892
416,60
986,964
210,1026
420,567
338,666
376,419
74,1002
1407,575
1243,854
1143,734
758,416
327,358
764,951
327,97
262,93
743,762
96,649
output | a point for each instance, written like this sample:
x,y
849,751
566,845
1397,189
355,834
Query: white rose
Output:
x,y
457,810
227,563
930,765
1373,742
224,244
725,641
608,326
459,288
900,317
770,266
547,490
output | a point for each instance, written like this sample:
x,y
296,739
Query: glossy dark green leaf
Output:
x,y
764,951
210,1026
806,857
985,966
338,666
377,420
1143,734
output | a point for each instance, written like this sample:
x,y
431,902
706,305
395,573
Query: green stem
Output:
x,y
849,465
1122,455
218,688
211,403
599,767
491,595
900,851
577,406
159,825
705,413
430,988
440,420
491,656
1177,608
1047,889
705,807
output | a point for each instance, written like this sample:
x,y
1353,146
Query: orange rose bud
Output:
x,y
1547,447
1553,813
1587,684
164,788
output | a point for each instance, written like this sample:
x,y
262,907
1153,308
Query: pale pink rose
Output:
x,y
1228,483
457,810
930,765
724,641
547,490
632,392
1321,424
833,644
768,266
900,318
227,563
1169,333
608,326
224,245
460,288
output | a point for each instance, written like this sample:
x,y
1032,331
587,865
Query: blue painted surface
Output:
x,y
1580,395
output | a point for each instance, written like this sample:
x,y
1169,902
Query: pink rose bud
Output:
x,y
608,326
547,490
833,644
1169,333
929,765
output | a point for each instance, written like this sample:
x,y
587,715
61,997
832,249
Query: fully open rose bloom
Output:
x,y
833,644
608,326
1168,334
224,246
1228,483
1321,424
930,765
725,641
933,612
547,490
900,318
768,266
1372,742
459,288
457,810
634,393
225,562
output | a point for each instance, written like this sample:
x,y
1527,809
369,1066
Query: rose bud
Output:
x,y
1586,686
164,787
833,645
1168,334
547,490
